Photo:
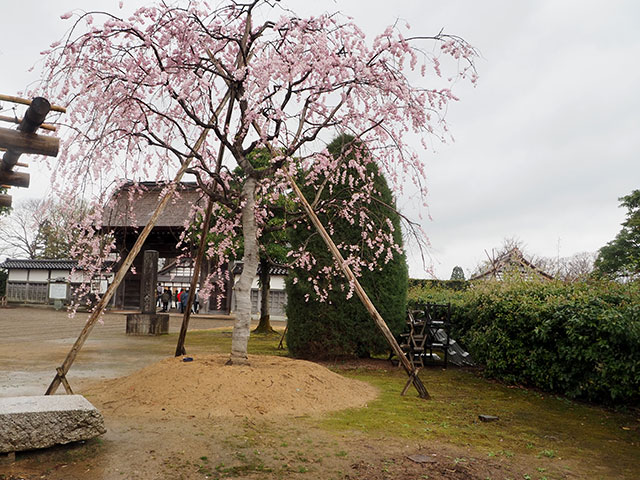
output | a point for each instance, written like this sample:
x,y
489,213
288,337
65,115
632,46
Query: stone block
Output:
x,y
28,423
147,324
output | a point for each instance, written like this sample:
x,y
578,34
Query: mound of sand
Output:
x,y
206,387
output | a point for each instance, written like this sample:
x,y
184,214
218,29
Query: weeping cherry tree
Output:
x,y
196,89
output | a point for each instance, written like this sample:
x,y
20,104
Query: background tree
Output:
x,y
457,273
274,248
3,282
321,321
574,268
172,88
42,229
20,233
620,258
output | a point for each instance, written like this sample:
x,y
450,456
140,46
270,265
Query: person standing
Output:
x,y
196,301
159,291
184,299
166,298
180,304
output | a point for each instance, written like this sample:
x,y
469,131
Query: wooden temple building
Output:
x,y
511,263
130,212
130,209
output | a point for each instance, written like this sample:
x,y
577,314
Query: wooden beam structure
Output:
x,y
44,126
5,200
22,142
9,178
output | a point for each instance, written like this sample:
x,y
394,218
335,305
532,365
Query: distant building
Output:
x,y
45,281
511,264
177,275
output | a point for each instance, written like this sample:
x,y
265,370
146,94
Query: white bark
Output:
x,y
242,326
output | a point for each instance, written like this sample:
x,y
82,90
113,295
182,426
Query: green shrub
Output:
x,y
581,340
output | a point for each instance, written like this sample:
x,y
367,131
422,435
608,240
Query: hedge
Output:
x,y
581,340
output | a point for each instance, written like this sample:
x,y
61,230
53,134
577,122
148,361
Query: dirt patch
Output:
x,y
205,387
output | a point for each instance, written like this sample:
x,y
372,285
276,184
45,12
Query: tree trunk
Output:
x,y
264,326
242,326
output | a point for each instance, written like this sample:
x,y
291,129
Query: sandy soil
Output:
x,y
205,387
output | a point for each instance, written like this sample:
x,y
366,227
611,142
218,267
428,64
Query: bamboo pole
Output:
x,y
26,101
379,321
44,126
180,350
102,304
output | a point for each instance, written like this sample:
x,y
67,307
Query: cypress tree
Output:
x,y
339,326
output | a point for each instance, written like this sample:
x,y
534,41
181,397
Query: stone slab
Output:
x,y
28,423
488,418
147,324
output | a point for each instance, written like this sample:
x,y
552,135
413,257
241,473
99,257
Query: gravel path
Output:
x,y
35,341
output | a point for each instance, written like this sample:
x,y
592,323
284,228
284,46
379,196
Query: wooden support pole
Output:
x,y
410,380
63,379
102,304
284,334
377,318
180,350
21,142
14,179
35,115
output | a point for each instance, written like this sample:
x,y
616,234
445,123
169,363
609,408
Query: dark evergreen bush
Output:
x,y
340,326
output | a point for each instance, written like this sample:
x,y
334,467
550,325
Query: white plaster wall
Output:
x,y
39,275
276,282
55,274
18,275
76,277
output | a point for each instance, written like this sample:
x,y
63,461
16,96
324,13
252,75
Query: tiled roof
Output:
x,y
276,270
132,206
273,269
44,264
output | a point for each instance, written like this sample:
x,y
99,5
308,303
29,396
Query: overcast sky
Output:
x,y
545,144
